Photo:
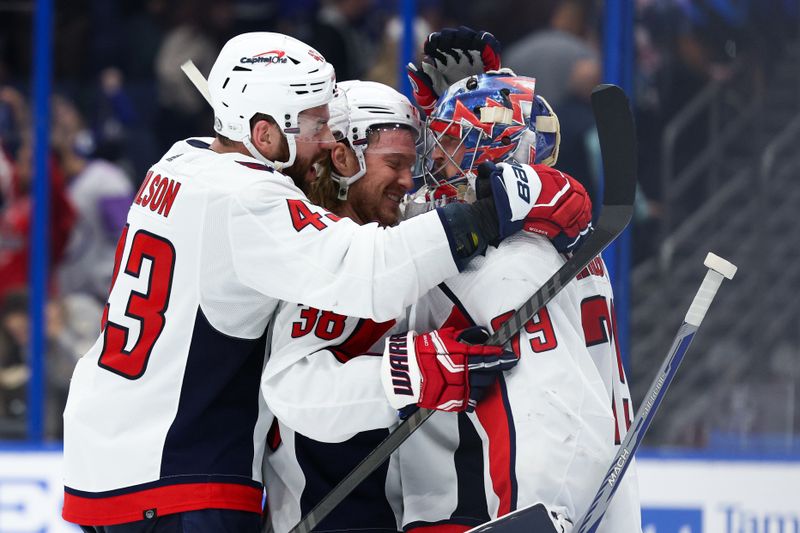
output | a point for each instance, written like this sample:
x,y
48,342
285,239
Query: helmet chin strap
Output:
x,y
277,165
345,182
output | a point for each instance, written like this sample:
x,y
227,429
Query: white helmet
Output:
x,y
358,106
268,73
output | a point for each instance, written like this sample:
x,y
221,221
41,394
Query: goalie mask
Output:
x,y
360,108
489,117
273,74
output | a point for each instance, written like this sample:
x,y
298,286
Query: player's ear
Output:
x,y
344,159
266,137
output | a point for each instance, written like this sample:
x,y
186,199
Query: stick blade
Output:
x,y
617,134
531,519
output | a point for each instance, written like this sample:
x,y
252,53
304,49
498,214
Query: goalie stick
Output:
x,y
618,147
520,521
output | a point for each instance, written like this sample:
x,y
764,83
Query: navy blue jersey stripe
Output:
x,y
213,429
453,298
512,440
255,166
197,143
325,464
468,460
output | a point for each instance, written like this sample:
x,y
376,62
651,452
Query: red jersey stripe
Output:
x,y
171,499
491,412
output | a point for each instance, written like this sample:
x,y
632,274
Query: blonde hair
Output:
x,y
323,190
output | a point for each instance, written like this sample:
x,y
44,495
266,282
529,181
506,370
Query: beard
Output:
x,y
302,172
298,173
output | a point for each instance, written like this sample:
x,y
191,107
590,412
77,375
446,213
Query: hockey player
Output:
x,y
322,381
546,431
164,426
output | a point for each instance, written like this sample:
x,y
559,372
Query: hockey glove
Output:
x,y
539,199
450,55
439,370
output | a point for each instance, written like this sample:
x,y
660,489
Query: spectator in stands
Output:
x,y
565,63
101,193
15,221
14,118
384,70
338,34
200,29
562,58
113,116
14,371
62,343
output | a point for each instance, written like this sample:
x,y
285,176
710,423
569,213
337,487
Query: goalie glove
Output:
x,y
450,55
439,370
539,199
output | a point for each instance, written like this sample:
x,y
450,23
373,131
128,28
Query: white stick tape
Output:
x,y
196,77
726,268
719,269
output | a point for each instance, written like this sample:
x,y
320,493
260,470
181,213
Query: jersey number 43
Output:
x,y
148,307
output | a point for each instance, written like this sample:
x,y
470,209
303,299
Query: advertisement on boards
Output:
x,y
678,495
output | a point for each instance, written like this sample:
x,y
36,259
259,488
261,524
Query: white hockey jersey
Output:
x,y
164,412
322,383
546,432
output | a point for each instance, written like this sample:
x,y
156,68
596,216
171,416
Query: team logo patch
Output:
x,y
265,58
398,361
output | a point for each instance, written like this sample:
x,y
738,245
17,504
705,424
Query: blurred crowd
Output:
x,y
120,100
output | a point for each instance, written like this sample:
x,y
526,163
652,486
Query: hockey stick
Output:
x,y
197,79
520,521
618,146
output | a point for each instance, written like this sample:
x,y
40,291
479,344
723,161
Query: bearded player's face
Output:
x,y
312,144
389,160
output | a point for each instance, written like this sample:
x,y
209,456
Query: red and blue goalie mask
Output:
x,y
489,117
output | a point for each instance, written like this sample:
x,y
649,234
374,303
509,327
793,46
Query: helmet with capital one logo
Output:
x,y
273,74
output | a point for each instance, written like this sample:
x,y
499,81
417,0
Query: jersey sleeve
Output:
x,y
323,377
329,401
287,248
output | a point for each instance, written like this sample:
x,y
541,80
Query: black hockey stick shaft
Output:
x,y
615,129
618,147
520,521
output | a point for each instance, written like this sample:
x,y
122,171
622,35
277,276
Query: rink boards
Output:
x,y
680,493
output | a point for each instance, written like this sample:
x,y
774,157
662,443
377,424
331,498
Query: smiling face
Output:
x,y
389,159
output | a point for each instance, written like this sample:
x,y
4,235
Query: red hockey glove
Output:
x,y
451,55
539,199
422,88
438,370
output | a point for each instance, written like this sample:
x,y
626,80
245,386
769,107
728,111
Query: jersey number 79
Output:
x,y
148,307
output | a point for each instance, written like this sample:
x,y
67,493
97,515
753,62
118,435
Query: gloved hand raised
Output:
x,y
450,55
440,370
